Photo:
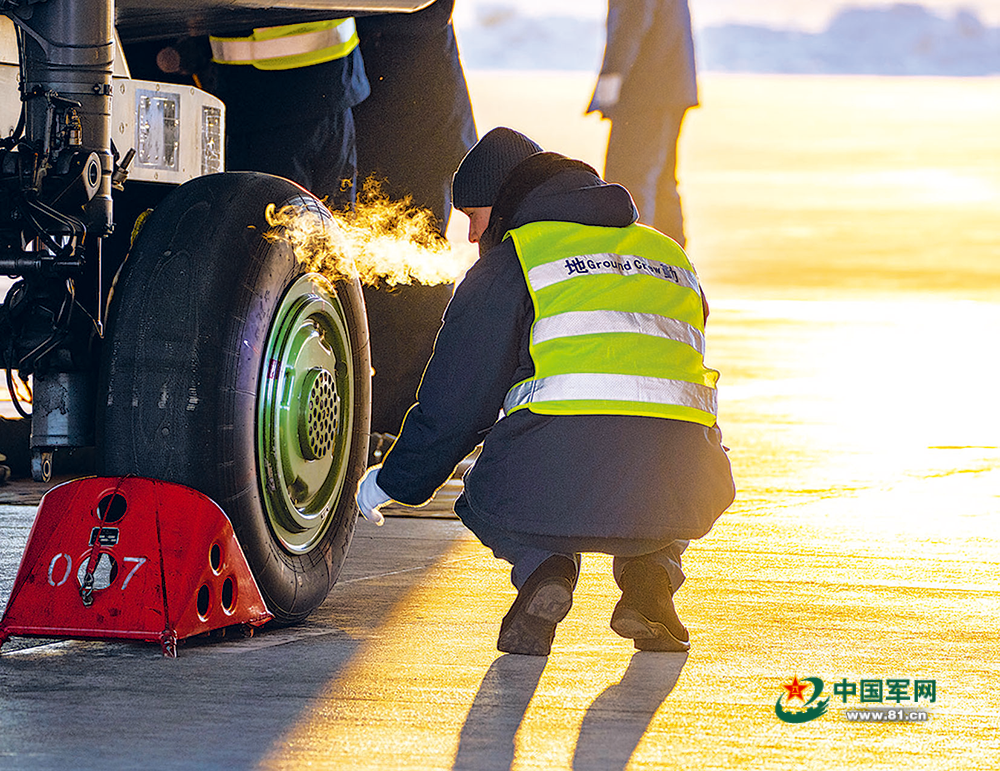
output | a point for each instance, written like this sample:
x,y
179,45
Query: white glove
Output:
x,y
370,496
606,92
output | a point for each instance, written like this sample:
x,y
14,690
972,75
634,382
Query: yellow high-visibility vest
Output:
x,y
619,326
289,46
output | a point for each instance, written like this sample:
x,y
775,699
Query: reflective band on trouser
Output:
x,y
598,322
589,386
271,49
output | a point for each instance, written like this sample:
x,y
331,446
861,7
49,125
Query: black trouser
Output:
x,y
318,154
525,551
642,156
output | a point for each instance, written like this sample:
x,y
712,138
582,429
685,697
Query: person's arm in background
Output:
x,y
628,22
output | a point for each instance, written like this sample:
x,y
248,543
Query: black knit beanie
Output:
x,y
484,168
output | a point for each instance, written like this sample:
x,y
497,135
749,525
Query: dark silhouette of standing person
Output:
x,y
413,130
417,123
647,83
289,94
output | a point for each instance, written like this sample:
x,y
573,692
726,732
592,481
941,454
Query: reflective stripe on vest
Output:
x,y
595,387
289,46
619,325
594,322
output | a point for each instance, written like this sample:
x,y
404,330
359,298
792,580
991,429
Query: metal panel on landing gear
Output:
x,y
149,19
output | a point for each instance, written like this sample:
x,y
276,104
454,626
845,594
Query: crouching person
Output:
x,y
587,330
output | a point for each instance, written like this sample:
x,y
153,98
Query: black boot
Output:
x,y
542,602
646,612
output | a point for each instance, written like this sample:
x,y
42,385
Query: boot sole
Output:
x,y
647,635
530,632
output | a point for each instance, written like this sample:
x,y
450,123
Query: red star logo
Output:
x,y
796,690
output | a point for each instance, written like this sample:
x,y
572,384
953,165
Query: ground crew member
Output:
x,y
587,330
289,91
647,83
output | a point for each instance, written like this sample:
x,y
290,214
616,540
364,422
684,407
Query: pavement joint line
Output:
x,y
43,648
451,561
265,640
970,589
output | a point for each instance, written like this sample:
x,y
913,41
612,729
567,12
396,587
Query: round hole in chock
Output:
x,y
105,571
228,595
111,508
215,557
203,599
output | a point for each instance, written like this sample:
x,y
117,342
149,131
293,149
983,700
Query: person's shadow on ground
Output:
x,y
487,740
612,728
618,719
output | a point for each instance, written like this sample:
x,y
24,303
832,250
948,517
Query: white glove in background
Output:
x,y
370,496
607,91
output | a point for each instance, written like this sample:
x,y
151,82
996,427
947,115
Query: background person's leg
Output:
x,y
642,156
320,156
668,216
634,159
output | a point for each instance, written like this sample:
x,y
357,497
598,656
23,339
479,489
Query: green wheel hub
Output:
x,y
304,412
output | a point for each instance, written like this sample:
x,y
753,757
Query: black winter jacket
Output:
x,y
597,476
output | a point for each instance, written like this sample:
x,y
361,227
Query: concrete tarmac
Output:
x,y
862,554
846,559
399,669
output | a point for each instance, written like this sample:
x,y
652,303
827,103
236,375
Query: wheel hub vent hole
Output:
x,y
105,572
321,413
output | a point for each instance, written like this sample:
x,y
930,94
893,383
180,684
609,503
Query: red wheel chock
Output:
x,y
131,558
